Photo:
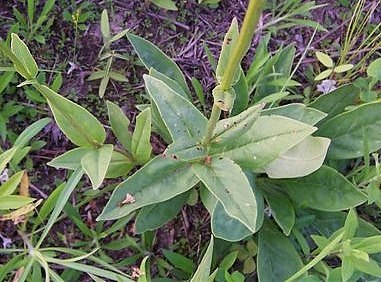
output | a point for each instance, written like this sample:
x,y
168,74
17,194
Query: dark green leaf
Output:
x,y
327,190
152,57
277,258
78,124
346,131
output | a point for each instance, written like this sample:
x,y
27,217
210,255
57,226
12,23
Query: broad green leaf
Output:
x,y
229,44
267,139
324,59
22,53
234,127
277,258
203,270
343,68
150,185
14,202
70,159
18,65
351,225
324,74
153,216
346,131
281,207
370,245
298,112
78,124
180,261
6,157
301,160
119,165
374,69
31,131
10,186
226,227
370,267
327,190
140,144
183,120
153,57
119,125
105,26
165,4
347,268
174,85
335,102
228,183
96,163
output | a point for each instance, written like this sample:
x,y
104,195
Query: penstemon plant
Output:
x,y
260,157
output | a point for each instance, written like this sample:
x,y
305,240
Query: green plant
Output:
x,y
332,69
257,158
33,27
361,38
107,54
92,157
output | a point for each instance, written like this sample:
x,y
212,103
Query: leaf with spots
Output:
x,y
228,183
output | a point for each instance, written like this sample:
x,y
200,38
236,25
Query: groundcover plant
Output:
x,y
268,175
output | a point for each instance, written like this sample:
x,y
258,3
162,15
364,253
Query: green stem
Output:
x,y
325,252
245,36
212,122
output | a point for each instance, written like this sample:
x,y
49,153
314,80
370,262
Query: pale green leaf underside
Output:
x,y
301,160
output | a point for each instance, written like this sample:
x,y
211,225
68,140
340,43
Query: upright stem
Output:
x,y
246,34
212,122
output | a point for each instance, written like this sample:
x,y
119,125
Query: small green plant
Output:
x,y
332,69
107,54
